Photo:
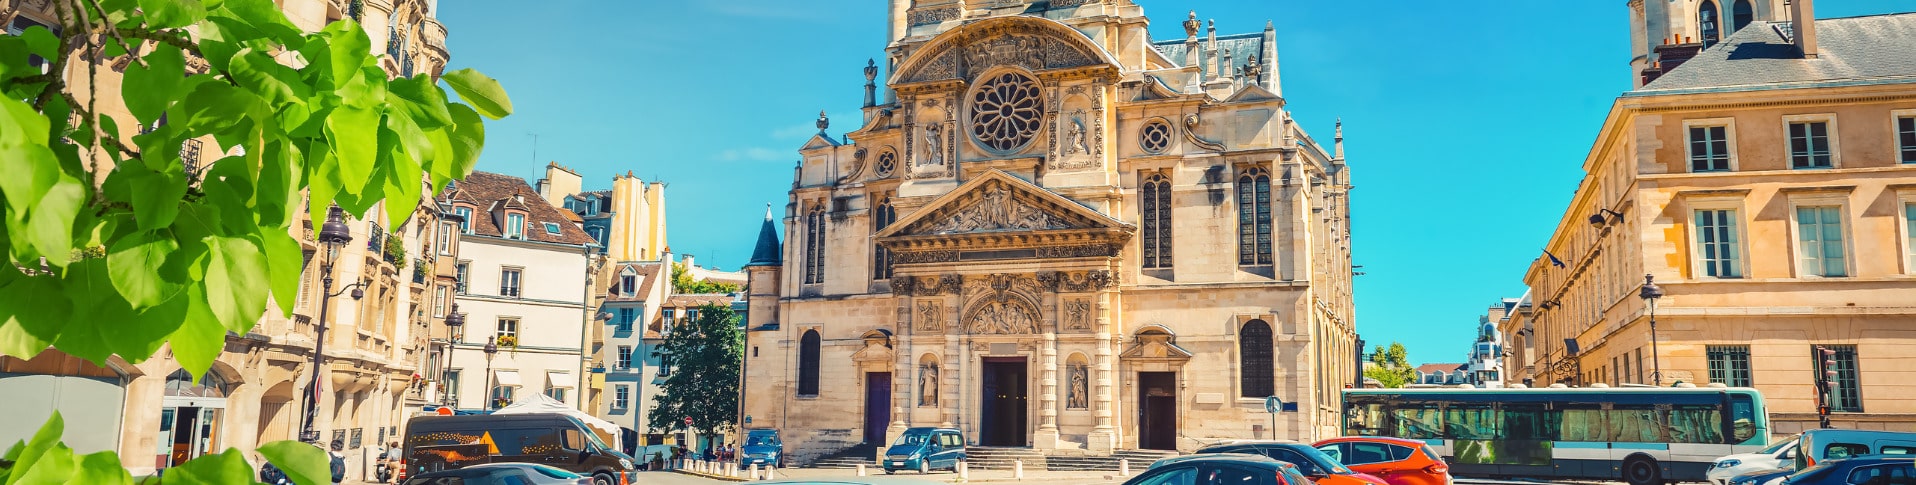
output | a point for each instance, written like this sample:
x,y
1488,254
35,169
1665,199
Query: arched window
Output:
x,y
180,383
815,246
1154,202
1256,362
1709,23
1254,218
882,215
808,364
1741,14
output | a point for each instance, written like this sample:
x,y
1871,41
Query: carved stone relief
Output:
x,y
931,16
1077,314
932,256
998,47
901,285
1081,251
931,316
1002,317
997,211
949,284
1084,281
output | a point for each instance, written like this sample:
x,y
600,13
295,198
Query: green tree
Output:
x,y
156,255
682,283
1392,366
705,359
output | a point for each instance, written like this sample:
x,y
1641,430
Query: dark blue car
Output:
x,y
762,447
1865,470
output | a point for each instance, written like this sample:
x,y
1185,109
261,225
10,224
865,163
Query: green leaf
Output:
x,y
200,337
159,82
468,136
483,93
101,468
157,197
408,136
30,166
41,42
53,468
135,262
37,304
353,134
285,262
403,183
216,108
425,102
227,467
305,464
349,49
264,16
43,441
52,229
96,311
274,82
168,14
235,274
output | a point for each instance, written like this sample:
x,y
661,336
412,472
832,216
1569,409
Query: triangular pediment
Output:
x,y
1253,93
1156,349
874,353
1000,202
820,140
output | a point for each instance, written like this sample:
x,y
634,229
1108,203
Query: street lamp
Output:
x,y
454,321
1650,293
492,347
333,234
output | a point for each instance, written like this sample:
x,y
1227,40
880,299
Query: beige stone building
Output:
x,y
376,351
1051,231
1768,185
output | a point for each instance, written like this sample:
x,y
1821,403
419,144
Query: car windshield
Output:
x,y
555,473
1778,446
1324,461
912,439
758,440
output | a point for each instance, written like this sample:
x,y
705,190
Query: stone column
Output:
x,y
953,362
1104,438
1046,437
904,373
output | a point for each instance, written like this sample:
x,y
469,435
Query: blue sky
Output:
x,y
1466,123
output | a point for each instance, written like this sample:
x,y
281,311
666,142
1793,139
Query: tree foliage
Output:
x,y
115,247
705,358
1391,367
682,283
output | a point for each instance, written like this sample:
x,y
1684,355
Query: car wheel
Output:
x,y
1642,471
889,471
924,466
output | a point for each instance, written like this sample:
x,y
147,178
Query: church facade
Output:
x,y
1051,231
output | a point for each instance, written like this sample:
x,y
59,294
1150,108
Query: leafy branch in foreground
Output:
x,y
115,247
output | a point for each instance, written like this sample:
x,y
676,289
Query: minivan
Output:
x,y
925,449
762,447
435,443
1819,445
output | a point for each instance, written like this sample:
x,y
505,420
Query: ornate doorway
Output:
x,y
190,417
1001,415
1157,411
877,406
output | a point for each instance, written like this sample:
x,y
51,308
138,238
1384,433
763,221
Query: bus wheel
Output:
x,y
1642,471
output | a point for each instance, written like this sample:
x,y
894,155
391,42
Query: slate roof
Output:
x,y
645,275
1242,46
767,252
1877,49
487,191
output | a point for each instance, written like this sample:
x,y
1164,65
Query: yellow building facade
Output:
x,y
1050,232
1768,186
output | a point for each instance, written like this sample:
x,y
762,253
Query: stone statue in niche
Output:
x,y
1074,140
928,384
1004,318
934,145
1080,387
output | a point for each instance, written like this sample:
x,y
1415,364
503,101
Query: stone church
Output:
x,y
1052,231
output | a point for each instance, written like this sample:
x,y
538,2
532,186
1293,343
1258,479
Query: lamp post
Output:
x,y
492,347
1650,293
454,322
333,234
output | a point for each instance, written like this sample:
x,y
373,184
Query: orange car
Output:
x,y
1396,460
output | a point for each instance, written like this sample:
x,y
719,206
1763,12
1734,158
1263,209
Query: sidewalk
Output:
x,y
974,476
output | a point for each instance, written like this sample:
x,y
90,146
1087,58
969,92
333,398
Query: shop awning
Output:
x,y
562,380
507,378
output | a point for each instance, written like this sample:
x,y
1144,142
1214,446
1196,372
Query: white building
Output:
x,y
524,283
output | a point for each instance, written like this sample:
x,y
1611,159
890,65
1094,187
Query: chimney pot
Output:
x,y
1803,20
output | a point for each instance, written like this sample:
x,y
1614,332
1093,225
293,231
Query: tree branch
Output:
x,y
116,35
164,37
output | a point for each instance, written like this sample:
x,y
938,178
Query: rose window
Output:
x,y
1155,136
1007,111
887,161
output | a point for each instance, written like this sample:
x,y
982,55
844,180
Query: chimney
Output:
x,y
1803,26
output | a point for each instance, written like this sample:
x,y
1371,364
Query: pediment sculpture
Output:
x,y
997,210
1002,318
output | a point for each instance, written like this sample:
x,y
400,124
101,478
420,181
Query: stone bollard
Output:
x,y
964,470
1017,469
754,474
1124,467
861,469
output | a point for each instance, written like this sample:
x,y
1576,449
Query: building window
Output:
x,y
1716,243
1154,202
691,315
1906,137
882,216
669,323
815,246
1255,360
1810,144
626,316
1640,365
515,226
1006,112
665,364
439,302
1845,395
556,393
1624,374
509,282
508,327
459,276
452,385
621,396
501,396
1254,218
1709,148
1741,15
1819,232
1709,23
1155,136
552,228
808,364
465,217
629,283
445,239
1730,365
597,233
625,357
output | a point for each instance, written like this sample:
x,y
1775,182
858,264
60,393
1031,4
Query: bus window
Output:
x,y
1696,424
1636,423
1584,425
1365,420
1528,421
1472,422
1896,450
1418,421
1743,418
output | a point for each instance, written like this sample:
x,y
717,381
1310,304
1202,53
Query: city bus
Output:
x,y
1640,435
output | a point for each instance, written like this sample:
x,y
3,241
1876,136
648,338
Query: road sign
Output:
x,y
1273,404
688,420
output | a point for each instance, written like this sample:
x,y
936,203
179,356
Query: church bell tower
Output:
x,y
1664,33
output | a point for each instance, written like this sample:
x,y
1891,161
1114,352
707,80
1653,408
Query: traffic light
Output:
x,y
1825,383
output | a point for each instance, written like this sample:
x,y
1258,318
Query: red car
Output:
x,y
1396,460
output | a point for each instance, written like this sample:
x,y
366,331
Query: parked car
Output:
x,y
1779,455
762,447
925,449
437,443
501,474
1817,445
1397,461
1871,470
1221,469
1761,477
1321,468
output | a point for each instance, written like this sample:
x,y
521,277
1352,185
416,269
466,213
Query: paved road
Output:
x,y
668,478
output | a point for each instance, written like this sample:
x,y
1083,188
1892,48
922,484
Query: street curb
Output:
x,y
712,476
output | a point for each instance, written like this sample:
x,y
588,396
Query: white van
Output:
x,y
1819,445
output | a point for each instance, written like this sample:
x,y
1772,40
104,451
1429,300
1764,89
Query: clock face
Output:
x,y
1007,111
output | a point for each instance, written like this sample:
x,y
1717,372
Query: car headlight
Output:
x,y
1728,463
624,463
